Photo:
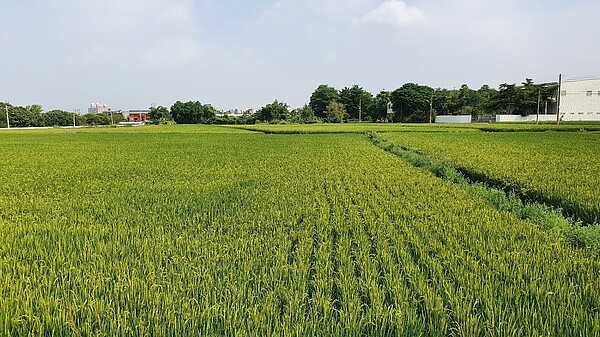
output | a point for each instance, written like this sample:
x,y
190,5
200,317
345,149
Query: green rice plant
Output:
x,y
211,234
559,169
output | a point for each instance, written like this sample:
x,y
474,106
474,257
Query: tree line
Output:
x,y
411,102
418,103
34,116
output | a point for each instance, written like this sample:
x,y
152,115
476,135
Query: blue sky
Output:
x,y
237,54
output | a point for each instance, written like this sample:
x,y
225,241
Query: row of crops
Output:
x,y
559,168
167,233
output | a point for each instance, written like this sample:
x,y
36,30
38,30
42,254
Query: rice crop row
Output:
x,y
559,168
253,234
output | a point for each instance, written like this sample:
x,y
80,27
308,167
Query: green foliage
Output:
x,y
94,119
273,112
411,103
192,113
321,98
336,112
304,115
59,118
159,115
357,100
26,117
378,109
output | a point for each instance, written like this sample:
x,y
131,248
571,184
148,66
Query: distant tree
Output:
x,y
58,118
445,101
25,117
320,99
529,97
192,113
378,110
466,100
34,109
306,114
356,99
274,111
97,119
411,103
159,114
336,112
507,100
117,117
485,95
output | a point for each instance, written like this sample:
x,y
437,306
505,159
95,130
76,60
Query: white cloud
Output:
x,y
392,12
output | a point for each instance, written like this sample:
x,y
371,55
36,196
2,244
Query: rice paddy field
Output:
x,y
222,231
562,168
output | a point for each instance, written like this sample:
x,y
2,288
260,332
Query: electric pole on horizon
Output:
x,y
7,121
431,108
558,99
360,110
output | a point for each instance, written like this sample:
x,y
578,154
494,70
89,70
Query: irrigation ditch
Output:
x,y
534,208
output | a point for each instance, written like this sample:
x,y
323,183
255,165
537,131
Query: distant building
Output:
x,y
96,108
237,112
580,100
136,115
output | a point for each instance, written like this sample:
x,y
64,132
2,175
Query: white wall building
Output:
x,y
580,100
98,108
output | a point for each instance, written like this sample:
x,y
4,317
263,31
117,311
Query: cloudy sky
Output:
x,y
235,54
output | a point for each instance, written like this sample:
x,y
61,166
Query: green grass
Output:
x,y
187,233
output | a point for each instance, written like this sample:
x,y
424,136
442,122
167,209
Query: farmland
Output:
x,y
208,230
561,168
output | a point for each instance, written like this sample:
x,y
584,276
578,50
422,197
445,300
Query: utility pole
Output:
x,y
74,118
537,117
360,110
7,121
558,99
431,108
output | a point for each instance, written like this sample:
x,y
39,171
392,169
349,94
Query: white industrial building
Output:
x,y
98,108
580,100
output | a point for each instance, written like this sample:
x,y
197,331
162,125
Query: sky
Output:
x,y
66,54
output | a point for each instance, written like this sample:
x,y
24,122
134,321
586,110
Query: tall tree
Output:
x,y
97,119
445,101
159,114
273,111
507,100
306,114
192,113
336,112
485,95
378,109
25,117
58,118
466,99
320,99
357,101
411,103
